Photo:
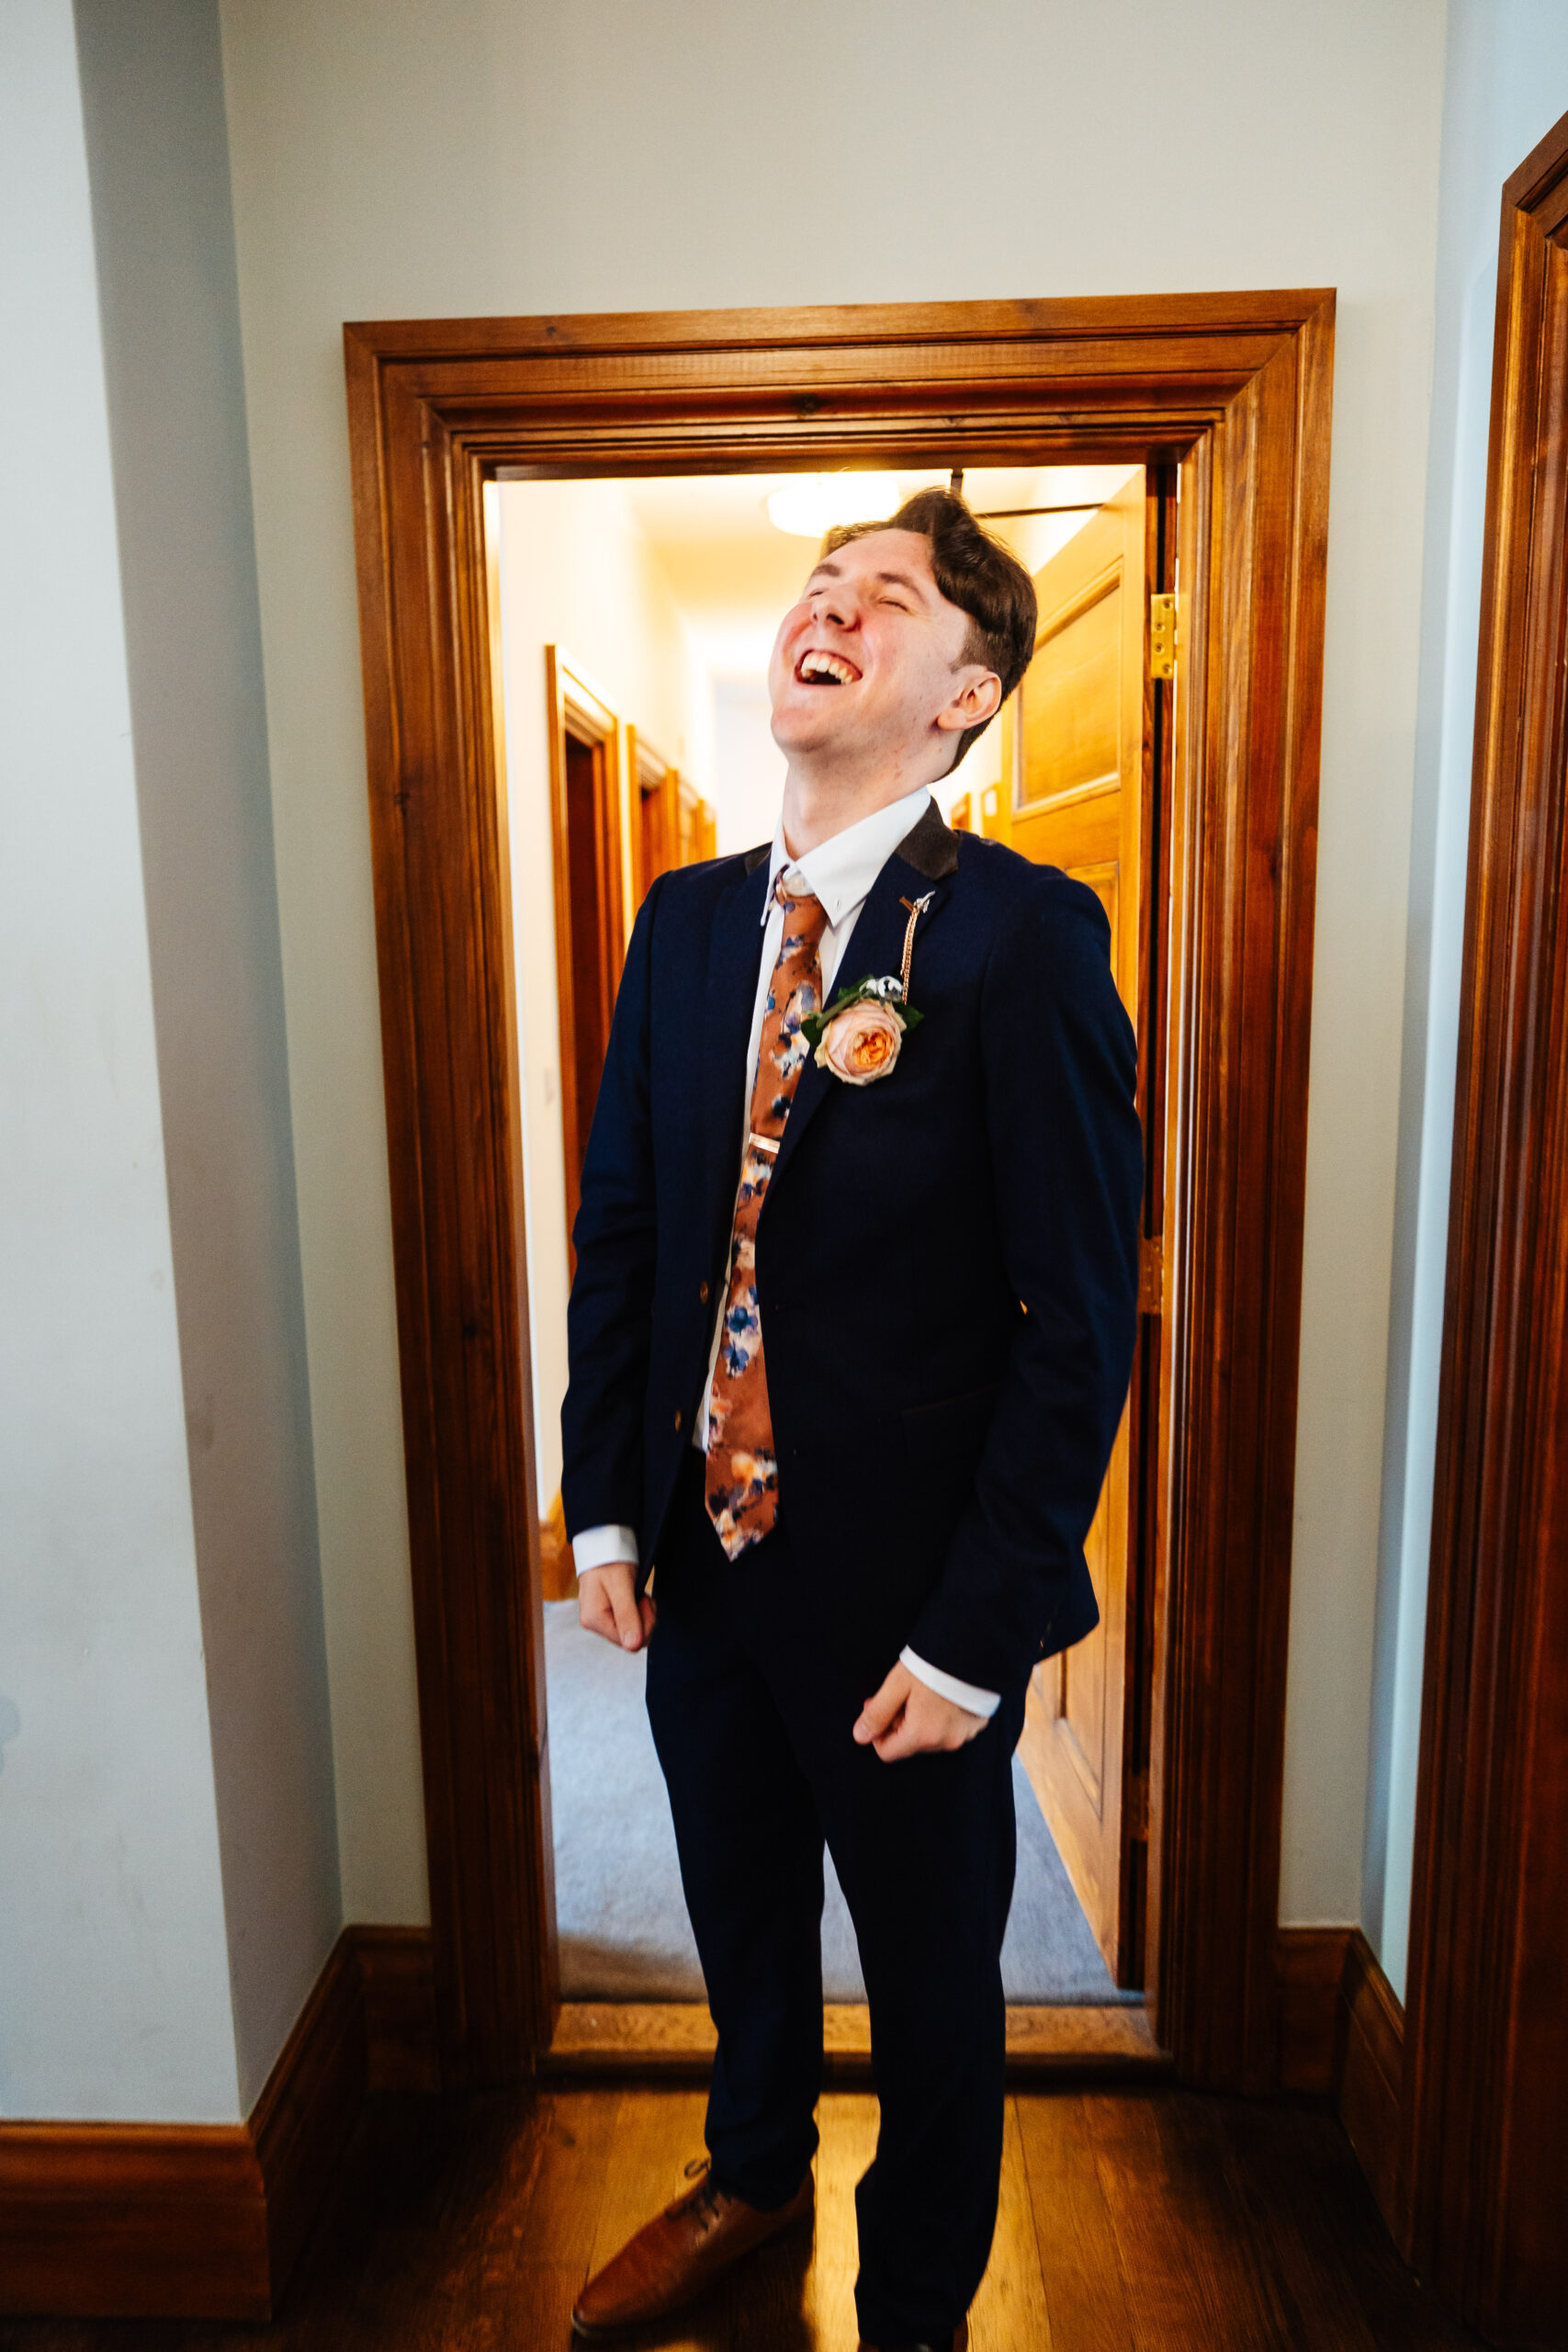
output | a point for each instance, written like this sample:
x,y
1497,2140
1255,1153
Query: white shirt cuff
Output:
x,y
947,1686
597,1547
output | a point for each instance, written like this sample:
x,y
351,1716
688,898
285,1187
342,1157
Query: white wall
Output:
x,y
504,156
578,573
749,767
112,1944
1506,84
158,167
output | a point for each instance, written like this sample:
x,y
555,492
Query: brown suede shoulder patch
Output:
x,y
930,846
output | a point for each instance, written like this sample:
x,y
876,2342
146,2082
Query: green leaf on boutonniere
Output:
x,y
885,991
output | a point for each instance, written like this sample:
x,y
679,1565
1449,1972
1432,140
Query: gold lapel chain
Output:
x,y
917,909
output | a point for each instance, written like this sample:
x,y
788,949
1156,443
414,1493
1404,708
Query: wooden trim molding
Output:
x,y
1342,2036
1485,2121
1313,1963
1232,391
305,2117
674,2041
103,2220
1369,2072
397,1979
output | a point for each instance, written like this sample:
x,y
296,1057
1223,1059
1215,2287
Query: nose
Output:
x,y
834,600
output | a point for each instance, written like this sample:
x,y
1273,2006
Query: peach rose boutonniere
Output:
x,y
859,1035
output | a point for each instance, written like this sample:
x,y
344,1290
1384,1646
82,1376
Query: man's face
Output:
x,y
868,666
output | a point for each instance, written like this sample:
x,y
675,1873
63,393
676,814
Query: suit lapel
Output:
x,y
734,953
875,947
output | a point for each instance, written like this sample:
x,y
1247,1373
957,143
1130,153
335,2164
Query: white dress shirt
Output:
x,y
839,873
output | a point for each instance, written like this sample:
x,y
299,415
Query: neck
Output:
x,y
817,804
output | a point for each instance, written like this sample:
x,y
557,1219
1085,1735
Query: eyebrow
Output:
x,y
891,579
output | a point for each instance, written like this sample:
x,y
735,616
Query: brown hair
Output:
x,y
974,572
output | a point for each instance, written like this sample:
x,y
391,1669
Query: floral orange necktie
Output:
x,y
742,1484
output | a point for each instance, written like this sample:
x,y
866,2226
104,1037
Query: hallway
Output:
x,y
621,1917
1131,2222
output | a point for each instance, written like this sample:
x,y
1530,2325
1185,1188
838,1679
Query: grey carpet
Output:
x,y
624,1930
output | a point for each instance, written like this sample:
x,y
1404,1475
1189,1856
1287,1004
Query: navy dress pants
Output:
x,y
751,1696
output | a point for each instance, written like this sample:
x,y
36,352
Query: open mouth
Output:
x,y
821,669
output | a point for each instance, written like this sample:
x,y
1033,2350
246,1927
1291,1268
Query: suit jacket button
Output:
x,y
678,1417
703,1292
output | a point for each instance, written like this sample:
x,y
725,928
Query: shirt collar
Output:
x,y
839,871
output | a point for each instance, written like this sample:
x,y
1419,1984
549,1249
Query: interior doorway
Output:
x,y
1233,392
689,576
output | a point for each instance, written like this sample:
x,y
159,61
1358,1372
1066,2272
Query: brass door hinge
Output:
x,y
1151,1278
1162,637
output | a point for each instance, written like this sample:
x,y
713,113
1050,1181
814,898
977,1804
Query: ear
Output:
x,y
979,699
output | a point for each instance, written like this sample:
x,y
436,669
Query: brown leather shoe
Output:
x,y
960,2342
678,2254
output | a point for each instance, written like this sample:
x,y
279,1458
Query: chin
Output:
x,y
795,729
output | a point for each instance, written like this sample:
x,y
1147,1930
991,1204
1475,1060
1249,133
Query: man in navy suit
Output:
x,y
850,1337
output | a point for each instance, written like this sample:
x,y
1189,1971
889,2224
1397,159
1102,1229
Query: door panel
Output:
x,y
1071,709
586,840
1072,777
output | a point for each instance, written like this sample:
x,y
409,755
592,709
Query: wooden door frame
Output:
x,y
1484,2142
574,707
1235,389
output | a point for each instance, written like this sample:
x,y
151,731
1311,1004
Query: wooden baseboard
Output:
x,y
396,1976
674,2040
1342,2035
1310,1966
103,2221
1371,2075
302,2122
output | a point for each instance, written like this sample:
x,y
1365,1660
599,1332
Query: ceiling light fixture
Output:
x,y
811,504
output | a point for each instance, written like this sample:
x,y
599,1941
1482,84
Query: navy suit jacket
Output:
x,y
941,1450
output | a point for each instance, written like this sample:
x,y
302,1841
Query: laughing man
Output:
x,y
850,1335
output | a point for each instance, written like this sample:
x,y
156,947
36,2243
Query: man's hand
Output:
x,y
607,1605
907,1716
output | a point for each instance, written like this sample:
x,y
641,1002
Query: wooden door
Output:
x,y
655,791
585,811
671,825
696,826
1071,795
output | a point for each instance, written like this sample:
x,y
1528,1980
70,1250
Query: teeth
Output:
x,y
827,666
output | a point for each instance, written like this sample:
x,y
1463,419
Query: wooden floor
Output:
x,y
1147,2219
